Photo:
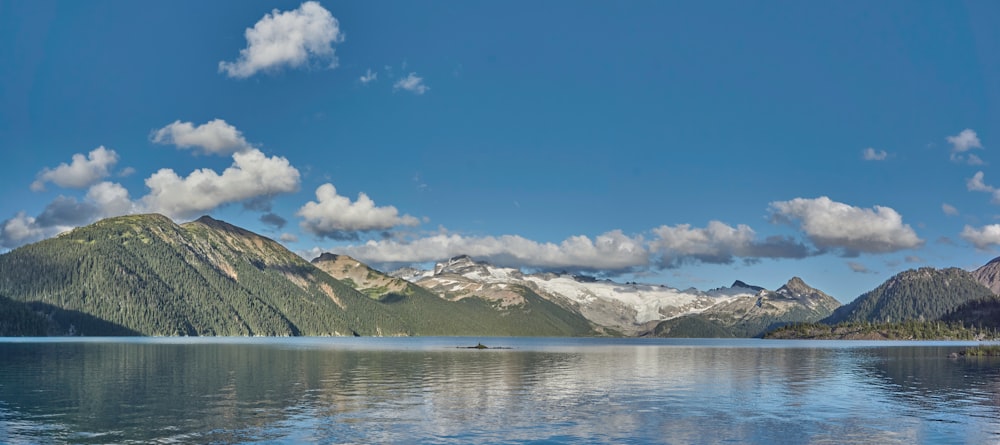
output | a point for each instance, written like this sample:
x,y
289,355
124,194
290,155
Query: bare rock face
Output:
x,y
358,275
989,275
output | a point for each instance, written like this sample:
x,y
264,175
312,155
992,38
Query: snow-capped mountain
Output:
x,y
629,308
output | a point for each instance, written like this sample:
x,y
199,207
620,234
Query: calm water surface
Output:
x,y
427,390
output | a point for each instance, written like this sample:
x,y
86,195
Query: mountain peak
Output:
x,y
798,286
326,256
739,283
221,225
989,275
459,265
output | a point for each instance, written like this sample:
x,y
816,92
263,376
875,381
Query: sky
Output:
x,y
681,143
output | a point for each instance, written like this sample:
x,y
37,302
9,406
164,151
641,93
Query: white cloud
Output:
x,y
213,137
834,225
611,251
719,243
976,184
81,172
870,154
411,83
335,216
252,175
64,213
983,237
949,209
289,38
963,142
23,229
289,238
369,77
111,199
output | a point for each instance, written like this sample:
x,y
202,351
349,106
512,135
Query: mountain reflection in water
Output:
x,y
427,390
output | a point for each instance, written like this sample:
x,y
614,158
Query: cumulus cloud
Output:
x,y
334,216
983,237
949,209
289,238
289,38
610,252
82,172
103,200
961,143
251,176
870,154
369,77
111,199
719,243
852,230
23,229
412,83
213,137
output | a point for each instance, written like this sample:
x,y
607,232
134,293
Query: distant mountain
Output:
x,y
989,275
145,275
916,294
520,312
632,308
793,302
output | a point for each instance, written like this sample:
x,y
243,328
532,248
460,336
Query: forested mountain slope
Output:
x,y
916,294
145,275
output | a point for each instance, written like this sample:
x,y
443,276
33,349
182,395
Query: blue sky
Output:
x,y
682,143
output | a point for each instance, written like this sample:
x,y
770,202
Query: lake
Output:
x,y
541,390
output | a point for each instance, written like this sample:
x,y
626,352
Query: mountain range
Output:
x,y
146,275
632,309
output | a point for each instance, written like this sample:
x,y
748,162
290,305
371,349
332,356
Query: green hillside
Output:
x,y
691,326
145,275
916,294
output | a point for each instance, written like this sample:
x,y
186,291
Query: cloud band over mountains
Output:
x,y
829,226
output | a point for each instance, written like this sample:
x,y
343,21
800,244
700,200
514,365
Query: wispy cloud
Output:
x,y
289,38
870,154
369,77
412,83
961,143
858,267
949,209
976,184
